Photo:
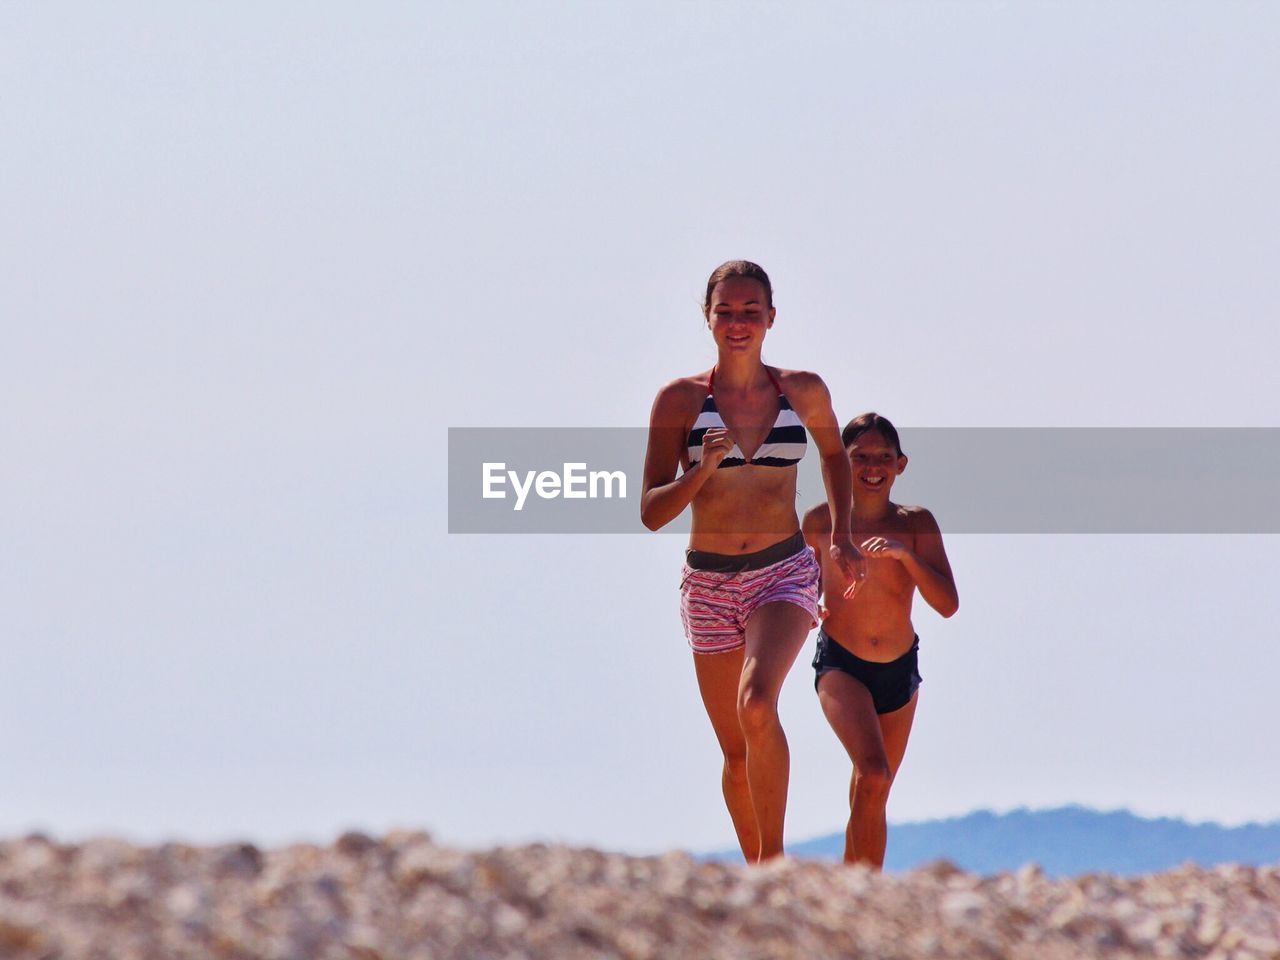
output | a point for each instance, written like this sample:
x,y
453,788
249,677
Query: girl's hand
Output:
x,y
884,548
850,562
716,444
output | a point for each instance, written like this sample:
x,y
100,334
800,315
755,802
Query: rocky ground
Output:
x,y
402,897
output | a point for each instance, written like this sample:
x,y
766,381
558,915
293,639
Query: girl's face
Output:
x,y
876,462
739,314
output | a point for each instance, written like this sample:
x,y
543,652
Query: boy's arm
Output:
x,y
929,566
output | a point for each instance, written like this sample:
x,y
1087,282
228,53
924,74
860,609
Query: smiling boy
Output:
x,y
867,674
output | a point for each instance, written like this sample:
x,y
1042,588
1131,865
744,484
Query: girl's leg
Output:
x,y
775,634
876,745
718,676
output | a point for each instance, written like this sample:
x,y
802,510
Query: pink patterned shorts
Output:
x,y
715,603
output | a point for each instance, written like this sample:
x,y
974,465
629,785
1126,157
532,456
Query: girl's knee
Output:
x,y
756,710
735,767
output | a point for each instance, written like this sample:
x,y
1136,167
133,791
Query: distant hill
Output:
x,y
1065,841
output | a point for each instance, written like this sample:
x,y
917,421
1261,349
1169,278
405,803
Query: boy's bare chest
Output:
x,y
884,572
893,527
884,575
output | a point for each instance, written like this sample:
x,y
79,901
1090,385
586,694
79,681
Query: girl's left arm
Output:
x,y
812,402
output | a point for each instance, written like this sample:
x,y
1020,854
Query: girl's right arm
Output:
x,y
665,495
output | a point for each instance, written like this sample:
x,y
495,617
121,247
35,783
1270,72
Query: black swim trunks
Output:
x,y
892,684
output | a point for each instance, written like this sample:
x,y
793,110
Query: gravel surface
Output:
x,y
402,897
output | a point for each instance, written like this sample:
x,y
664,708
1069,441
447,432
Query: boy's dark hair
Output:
x,y
867,422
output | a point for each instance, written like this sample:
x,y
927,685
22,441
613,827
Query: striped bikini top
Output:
x,y
783,446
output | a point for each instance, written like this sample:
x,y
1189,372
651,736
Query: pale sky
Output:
x,y
257,260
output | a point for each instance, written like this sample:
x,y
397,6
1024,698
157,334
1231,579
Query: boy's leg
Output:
x,y
775,633
876,745
895,729
718,678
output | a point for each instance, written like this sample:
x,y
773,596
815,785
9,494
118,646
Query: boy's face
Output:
x,y
876,463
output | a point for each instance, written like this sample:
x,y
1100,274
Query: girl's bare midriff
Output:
x,y
745,509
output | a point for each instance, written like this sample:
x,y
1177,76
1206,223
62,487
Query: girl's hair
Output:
x,y
865,424
736,268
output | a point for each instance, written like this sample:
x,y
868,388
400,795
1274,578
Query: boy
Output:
x,y
866,666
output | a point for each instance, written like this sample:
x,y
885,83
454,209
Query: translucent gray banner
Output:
x,y
975,480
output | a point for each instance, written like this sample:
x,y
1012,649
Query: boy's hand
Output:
x,y
850,562
882,547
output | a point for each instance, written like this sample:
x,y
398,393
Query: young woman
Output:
x,y
727,442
